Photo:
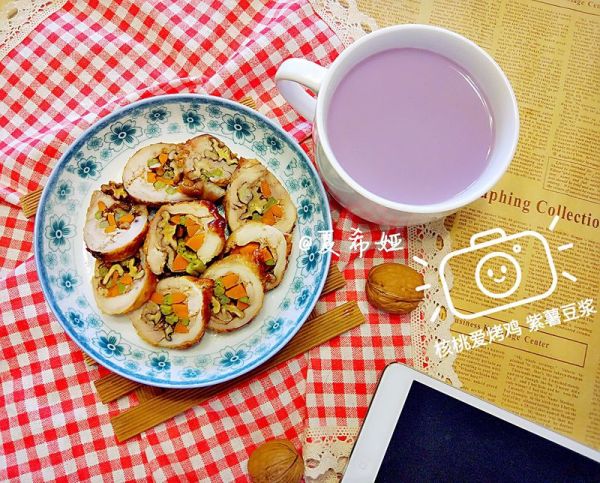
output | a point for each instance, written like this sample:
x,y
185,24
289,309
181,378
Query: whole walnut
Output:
x,y
391,287
276,461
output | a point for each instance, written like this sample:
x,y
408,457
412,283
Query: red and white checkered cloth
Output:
x,y
343,374
77,66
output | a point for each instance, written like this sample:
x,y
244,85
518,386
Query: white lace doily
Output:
x,y
19,17
326,449
430,244
344,18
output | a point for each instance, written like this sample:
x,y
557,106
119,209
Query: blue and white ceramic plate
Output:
x,y
65,268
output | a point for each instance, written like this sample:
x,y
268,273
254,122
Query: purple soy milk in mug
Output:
x,y
410,122
410,125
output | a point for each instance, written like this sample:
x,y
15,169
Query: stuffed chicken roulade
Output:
x,y
177,313
120,287
266,246
238,293
115,225
153,175
208,167
184,237
255,194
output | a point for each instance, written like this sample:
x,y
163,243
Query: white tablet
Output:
x,y
419,429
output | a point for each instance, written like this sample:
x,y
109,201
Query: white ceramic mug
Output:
x,y
294,75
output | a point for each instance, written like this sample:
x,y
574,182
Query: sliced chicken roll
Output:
x,y
153,174
184,237
254,194
115,225
238,292
208,167
266,246
121,287
176,314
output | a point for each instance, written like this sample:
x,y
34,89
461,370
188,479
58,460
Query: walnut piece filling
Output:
x,y
165,171
260,205
182,238
119,215
168,312
215,164
230,298
118,278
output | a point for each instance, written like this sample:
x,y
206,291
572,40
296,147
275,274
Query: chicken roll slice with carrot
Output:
x,y
266,246
255,194
120,287
238,293
208,167
115,225
184,237
153,174
177,313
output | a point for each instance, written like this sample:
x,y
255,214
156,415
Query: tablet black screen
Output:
x,y
439,438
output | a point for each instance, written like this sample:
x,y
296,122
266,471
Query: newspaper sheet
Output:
x,y
540,359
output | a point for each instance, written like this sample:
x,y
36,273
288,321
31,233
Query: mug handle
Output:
x,y
292,77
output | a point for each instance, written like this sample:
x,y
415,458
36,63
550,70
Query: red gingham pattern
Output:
x,y
342,375
217,438
16,238
77,66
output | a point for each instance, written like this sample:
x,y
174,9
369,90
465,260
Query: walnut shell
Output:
x,y
391,288
276,461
